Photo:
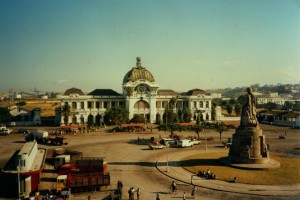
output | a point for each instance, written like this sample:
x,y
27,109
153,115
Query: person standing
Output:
x,y
184,196
157,197
138,193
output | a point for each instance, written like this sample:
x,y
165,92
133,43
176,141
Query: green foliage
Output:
x,y
66,110
186,115
115,115
238,109
4,115
229,109
138,119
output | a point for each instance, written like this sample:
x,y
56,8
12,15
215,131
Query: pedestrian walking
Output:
x,y
194,190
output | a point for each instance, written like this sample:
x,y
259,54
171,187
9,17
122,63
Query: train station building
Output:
x,y
141,95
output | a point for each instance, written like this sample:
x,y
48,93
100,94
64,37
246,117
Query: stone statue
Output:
x,y
248,117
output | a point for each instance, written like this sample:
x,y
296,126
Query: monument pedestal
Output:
x,y
248,146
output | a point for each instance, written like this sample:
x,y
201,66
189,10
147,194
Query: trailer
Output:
x,y
83,174
83,181
43,137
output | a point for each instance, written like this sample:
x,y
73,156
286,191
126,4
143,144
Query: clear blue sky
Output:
x,y
91,44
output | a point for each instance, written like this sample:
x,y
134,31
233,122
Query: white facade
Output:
x,y
140,96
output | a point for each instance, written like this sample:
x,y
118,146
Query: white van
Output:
x,y
184,143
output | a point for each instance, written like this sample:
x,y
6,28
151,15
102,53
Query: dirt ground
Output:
x,y
134,163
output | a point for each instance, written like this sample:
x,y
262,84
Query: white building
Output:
x,y
141,96
274,98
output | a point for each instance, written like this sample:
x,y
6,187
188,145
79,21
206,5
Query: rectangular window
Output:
x,y
97,104
195,104
82,105
105,104
121,104
74,105
158,103
90,104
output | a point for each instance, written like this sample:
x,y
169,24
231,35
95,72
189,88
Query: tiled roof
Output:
x,y
73,91
166,92
195,92
104,92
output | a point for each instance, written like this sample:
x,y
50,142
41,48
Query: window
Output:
x,y
105,104
97,104
74,105
195,104
82,105
158,104
90,104
207,104
201,104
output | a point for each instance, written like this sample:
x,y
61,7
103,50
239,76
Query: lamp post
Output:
x,y
205,140
19,185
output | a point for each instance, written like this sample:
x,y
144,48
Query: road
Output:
x,y
134,163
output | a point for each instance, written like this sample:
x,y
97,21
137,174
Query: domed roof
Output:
x,y
138,72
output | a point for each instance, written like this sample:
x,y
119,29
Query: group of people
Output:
x,y
131,192
206,174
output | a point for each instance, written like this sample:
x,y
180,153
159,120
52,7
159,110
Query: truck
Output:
x,y
43,137
83,174
61,160
184,143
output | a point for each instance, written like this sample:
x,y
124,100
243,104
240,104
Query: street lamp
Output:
x,y
19,185
205,131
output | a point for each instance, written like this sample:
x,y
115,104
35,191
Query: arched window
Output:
x,y
90,121
141,105
74,105
98,119
201,104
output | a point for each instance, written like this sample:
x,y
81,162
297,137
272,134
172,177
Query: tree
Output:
x,y
186,115
116,115
229,109
4,115
238,109
66,111
138,119
220,128
198,128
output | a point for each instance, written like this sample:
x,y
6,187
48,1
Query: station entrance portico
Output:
x,y
142,108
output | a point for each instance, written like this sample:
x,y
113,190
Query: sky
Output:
x,y
91,44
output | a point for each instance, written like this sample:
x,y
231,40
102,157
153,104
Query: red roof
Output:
x,y
132,125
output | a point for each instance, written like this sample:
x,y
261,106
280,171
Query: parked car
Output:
x,y
5,131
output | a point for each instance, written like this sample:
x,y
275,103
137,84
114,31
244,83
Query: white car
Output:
x,y
5,131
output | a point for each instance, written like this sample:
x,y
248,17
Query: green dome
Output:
x,y
138,73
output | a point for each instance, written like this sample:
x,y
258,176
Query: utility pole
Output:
x,y
19,185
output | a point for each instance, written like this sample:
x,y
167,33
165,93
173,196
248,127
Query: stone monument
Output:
x,y
248,141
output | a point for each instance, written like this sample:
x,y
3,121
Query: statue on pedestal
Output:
x,y
248,116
